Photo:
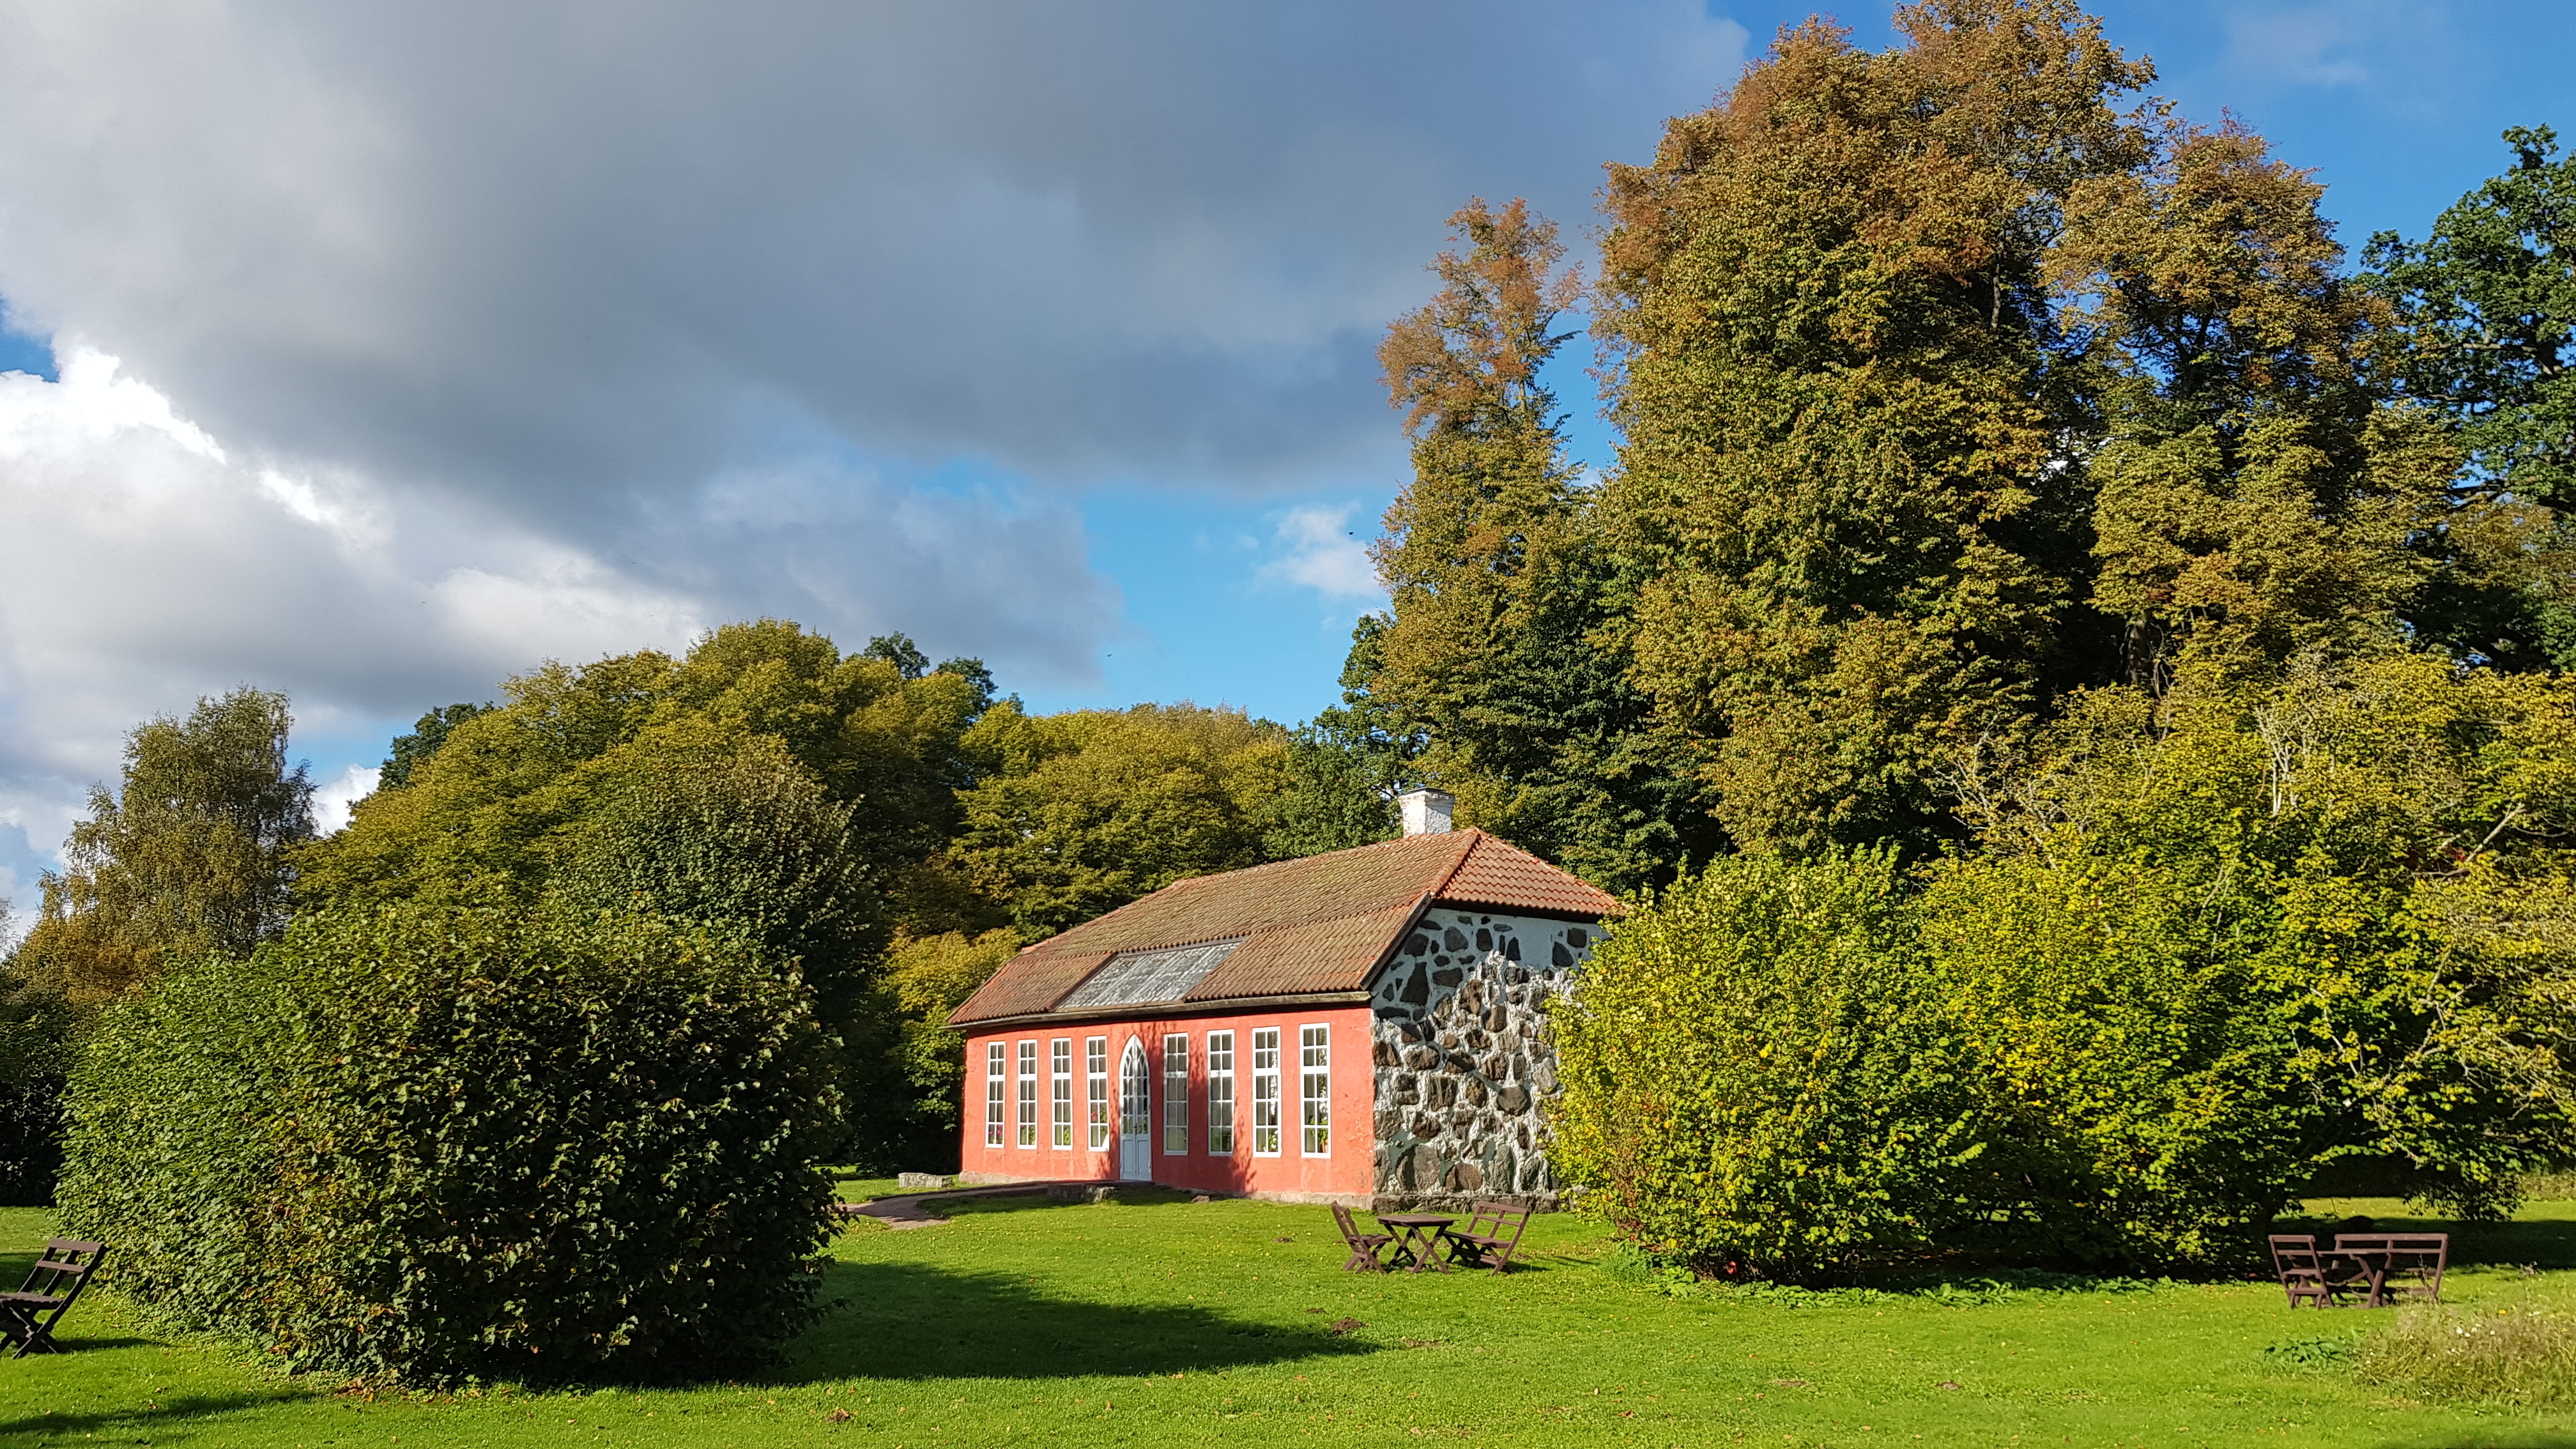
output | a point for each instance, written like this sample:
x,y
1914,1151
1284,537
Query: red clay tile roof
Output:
x,y
1311,926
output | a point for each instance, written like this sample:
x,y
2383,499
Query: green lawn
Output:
x,y
1178,1323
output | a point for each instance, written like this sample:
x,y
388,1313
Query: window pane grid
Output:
x,y
1220,1093
1149,976
1028,1123
994,1064
1095,1071
1060,1098
1176,1095
1315,1094
1265,1092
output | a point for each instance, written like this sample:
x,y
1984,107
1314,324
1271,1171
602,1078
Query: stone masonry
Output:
x,y
1462,1058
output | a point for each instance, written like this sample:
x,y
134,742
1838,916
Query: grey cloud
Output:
x,y
538,252
565,329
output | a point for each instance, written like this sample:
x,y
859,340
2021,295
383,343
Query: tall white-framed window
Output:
x,y
1265,1092
1060,1095
1095,1085
996,1061
1315,1091
1220,1093
1028,1094
1176,1096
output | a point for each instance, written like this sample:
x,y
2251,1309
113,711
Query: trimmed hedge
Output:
x,y
426,1143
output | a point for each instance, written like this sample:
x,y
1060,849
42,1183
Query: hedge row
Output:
x,y
427,1143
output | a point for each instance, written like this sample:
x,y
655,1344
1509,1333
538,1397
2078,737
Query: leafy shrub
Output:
x,y
426,1142
1755,1077
2136,1074
2510,1356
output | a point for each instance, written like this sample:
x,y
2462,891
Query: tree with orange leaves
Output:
x,y
1500,587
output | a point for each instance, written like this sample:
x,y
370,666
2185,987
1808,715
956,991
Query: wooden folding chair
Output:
x,y
28,1316
1492,1232
1364,1247
2305,1275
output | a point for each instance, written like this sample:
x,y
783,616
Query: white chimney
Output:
x,y
1426,812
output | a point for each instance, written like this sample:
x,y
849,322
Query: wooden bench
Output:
x,y
1492,1232
1364,1247
28,1316
2398,1263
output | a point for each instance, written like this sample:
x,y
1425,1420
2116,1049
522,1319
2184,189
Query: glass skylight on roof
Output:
x,y
1138,977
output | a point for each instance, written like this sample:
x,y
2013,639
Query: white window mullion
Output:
x,y
1060,1098
1220,1093
1265,1092
995,1062
1028,1124
1315,1090
1095,1072
1176,1096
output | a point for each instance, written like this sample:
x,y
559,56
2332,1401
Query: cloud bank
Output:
x,y
402,347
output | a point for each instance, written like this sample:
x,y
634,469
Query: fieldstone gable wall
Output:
x,y
1462,1059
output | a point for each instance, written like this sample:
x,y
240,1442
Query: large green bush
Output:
x,y
1756,1076
2136,1053
430,1142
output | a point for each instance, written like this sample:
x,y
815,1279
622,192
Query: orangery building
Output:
x,y
1363,1027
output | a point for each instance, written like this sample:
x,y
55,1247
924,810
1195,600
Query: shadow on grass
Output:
x,y
2544,1244
905,1321
1017,1201
2487,1439
143,1423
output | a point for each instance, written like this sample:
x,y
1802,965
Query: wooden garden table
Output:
x,y
1417,1236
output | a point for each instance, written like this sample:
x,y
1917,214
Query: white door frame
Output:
x,y
1135,1091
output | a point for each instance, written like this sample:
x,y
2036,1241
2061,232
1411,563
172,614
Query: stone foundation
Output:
x,y
1462,1061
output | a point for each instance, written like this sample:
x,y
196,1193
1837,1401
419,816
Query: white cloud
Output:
x,y
143,564
1322,552
332,801
2393,47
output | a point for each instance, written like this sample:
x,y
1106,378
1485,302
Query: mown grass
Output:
x,y
1166,1322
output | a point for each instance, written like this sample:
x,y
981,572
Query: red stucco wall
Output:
x,y
1343,1172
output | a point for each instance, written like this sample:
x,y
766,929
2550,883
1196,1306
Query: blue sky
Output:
x,y
2397,107
1040,334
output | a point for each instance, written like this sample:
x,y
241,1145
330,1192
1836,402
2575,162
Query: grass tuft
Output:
x,y
2517,1356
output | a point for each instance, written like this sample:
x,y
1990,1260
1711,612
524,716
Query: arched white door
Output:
x,y
1135,1116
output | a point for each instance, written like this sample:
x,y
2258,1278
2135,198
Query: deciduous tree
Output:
x,y
192,854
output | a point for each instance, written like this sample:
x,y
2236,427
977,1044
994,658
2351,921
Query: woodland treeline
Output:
x,y
2040,565
889,827
2081,655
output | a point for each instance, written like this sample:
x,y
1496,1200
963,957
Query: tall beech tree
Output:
x,y
1847,497
2253,500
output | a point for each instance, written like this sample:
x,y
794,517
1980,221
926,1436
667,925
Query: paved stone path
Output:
x,y
905,1210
